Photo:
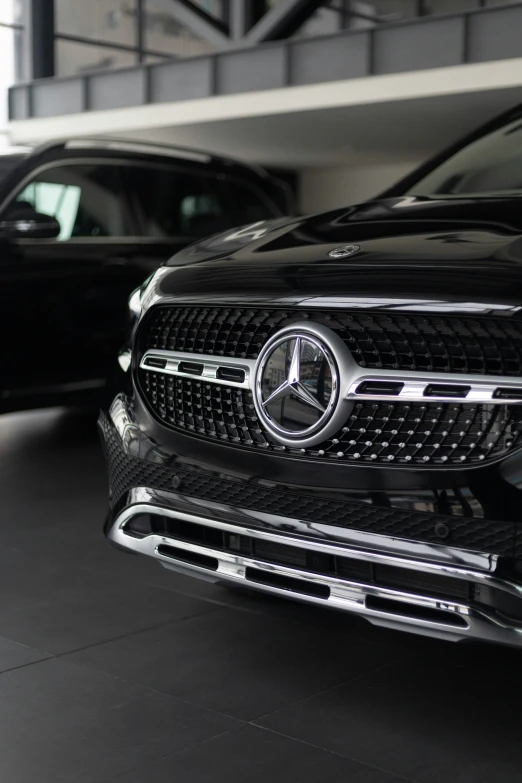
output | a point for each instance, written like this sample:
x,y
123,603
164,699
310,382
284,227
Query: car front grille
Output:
x,y
428,434
385,433
395,341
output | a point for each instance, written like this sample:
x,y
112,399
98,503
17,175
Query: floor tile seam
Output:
x,y
169,755
339,755
156,691
145,629
347,681
22,644
25,665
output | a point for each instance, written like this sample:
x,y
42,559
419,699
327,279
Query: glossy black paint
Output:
x,y
419,255
411,256
63,304
412,269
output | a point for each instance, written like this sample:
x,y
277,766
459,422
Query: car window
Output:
x,y
86,200
175,202
491,165
244,203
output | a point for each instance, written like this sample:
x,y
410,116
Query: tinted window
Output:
x,y
177,203
87,200
490,165
245,205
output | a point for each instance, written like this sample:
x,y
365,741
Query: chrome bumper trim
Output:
x,y
136,443
463,621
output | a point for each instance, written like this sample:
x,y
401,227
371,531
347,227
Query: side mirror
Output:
x,y
31,225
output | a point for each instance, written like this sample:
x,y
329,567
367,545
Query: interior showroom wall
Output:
x,y
334,186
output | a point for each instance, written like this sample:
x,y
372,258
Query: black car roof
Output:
x,y
9,161
138,147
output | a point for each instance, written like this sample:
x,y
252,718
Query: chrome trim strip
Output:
x,y
147,503
403,549
373,304
351,376
416,383
211,365
376,303
145,148
343,593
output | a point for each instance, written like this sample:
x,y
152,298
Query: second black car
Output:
x,y
82,223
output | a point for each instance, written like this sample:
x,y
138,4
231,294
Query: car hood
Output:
x,y
423,252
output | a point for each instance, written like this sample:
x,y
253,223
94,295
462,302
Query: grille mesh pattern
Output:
x,y
430,434
475,534
407,433
490,346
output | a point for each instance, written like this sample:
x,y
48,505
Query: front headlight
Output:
x,y
135,303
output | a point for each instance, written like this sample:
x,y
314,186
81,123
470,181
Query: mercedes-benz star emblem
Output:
x,y
296,386
344,251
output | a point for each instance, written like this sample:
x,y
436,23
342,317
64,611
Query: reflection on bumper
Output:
x,y
424,588
404,609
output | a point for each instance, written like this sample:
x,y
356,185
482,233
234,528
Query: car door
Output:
x,y
63,301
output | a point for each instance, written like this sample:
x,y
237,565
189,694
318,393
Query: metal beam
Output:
x,y
197,21
140,29
42,38
243,15
282,21
238,19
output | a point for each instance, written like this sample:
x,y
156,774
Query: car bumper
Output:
x,y
432,589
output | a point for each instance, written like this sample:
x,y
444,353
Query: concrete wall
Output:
x,y
330,187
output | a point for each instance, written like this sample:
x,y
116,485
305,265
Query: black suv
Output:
x,y
330,408
82,224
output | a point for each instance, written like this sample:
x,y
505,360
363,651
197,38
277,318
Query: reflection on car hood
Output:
x,y
447,249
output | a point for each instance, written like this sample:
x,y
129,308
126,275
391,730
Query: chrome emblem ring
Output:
x,y
296,385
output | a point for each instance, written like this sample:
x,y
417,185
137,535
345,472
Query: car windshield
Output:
x,y
489,166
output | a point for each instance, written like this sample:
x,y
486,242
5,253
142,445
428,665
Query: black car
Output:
x,y
330,408
82,224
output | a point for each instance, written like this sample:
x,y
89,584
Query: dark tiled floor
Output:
x,y
113,670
